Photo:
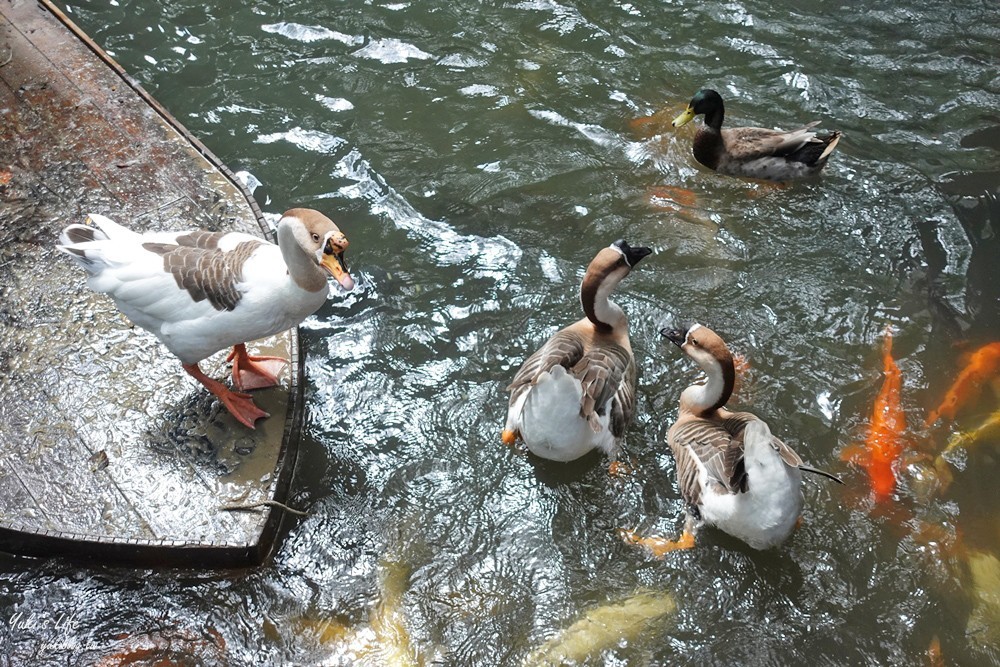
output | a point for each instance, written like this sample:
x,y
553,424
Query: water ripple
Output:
x,y
308,33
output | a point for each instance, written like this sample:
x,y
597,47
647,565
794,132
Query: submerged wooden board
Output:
x,y
108,451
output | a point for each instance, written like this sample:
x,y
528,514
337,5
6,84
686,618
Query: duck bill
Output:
x,y
684,118
336,267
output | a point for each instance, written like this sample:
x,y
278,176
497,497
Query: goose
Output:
x,y
200,291
577,392
732,472
755,152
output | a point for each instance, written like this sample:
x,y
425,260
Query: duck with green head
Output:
x,y
754,152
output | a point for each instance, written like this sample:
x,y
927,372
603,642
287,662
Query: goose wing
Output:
x,y
565,349
788,455
704,444
607,373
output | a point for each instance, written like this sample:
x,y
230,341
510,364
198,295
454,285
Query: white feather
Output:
x,y
550,420
766,514
149,296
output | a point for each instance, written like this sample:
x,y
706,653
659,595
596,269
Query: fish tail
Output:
x,y
887,346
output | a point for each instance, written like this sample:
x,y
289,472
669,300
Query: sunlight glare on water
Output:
x,y
478,156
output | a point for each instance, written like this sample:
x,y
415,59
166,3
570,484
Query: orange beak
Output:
x,y
333,260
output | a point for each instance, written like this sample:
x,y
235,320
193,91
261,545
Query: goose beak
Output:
x,y
675,336
632,255
333,261
685,117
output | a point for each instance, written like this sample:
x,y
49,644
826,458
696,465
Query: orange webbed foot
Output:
x,y
619,469
251,372
240,406
509,437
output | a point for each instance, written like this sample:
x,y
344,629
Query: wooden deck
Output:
x,y
108,451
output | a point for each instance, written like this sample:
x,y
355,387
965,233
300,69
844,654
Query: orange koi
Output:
x,y
883,446
175,646
645,127
669,197
935,658
983,365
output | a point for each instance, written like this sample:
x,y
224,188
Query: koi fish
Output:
x,y
681,202
669,197
966,439
384,640
935,658
658,547
983,626
983,365
171,646
741,364
883,446
601,628
645,126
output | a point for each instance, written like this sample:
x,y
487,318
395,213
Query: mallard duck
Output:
x,y
755,152
577,392
200,292
732,472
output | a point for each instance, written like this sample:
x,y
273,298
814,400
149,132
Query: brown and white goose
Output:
x,y
200,292
733,474
577,392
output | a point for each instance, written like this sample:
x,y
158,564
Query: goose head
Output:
x,y
711,353
313,246
603,274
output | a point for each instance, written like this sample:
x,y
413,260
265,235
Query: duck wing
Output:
x,y
623,405
751,143
204,271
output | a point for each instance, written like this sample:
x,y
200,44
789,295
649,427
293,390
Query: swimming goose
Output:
x,y
733,474
577,392
200,292
754,152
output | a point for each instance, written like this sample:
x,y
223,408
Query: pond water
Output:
x,y
478,155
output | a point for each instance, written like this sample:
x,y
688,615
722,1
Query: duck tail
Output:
x,y
831,141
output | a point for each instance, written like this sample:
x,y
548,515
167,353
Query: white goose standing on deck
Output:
x,y
733,474
577,392
200,292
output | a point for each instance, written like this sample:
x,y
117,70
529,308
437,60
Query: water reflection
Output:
x,y
477,156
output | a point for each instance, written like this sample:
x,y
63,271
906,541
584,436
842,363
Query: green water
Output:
x,y
478,155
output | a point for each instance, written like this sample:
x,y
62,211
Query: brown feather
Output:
x,y
203,271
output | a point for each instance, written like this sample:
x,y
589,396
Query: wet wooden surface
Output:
x,y
108,450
